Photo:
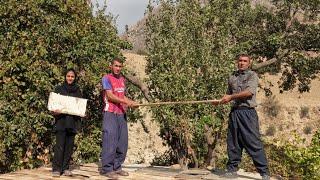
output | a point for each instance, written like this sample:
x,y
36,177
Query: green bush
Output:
x,y
291,161
305,159
38,41
187,62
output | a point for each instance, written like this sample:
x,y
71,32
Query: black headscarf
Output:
x,y
65,121
70,88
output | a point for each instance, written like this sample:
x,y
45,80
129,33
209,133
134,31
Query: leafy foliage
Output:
x,y
38,40
302,162
192,46
307,160
189,60
292,160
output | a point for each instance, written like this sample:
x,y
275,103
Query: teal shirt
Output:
x,y
240,81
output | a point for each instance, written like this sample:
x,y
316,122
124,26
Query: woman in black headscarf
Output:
x,y
65,127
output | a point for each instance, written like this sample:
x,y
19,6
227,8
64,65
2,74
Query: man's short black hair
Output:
x,y
243,55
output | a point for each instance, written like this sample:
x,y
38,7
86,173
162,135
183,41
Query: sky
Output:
x,y
128,11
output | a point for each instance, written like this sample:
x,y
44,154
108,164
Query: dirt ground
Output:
x,y
136,172
293,98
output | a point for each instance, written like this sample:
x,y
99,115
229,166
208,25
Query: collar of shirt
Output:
x,y
238,72
116,75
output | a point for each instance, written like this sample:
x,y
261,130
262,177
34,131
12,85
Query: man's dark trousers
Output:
x,y
114,141
244,133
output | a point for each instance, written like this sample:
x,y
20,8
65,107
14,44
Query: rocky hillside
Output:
x,y
136,36
288,113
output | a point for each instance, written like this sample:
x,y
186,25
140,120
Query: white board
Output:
x,y
67,104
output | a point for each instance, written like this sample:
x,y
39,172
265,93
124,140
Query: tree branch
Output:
x,y
280,54
140,85
264,64
289,22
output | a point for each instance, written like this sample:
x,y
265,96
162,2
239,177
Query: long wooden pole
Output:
x,y
179,102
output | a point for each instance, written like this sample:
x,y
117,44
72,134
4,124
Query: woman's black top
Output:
x,y
66,122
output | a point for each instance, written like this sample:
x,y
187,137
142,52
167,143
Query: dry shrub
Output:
x,y
304,112
271,130
271,107
307,129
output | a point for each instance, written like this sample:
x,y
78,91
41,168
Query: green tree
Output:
x,y
39,39
187,62
192,46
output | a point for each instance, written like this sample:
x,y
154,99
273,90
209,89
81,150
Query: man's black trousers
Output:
x,y
243,133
